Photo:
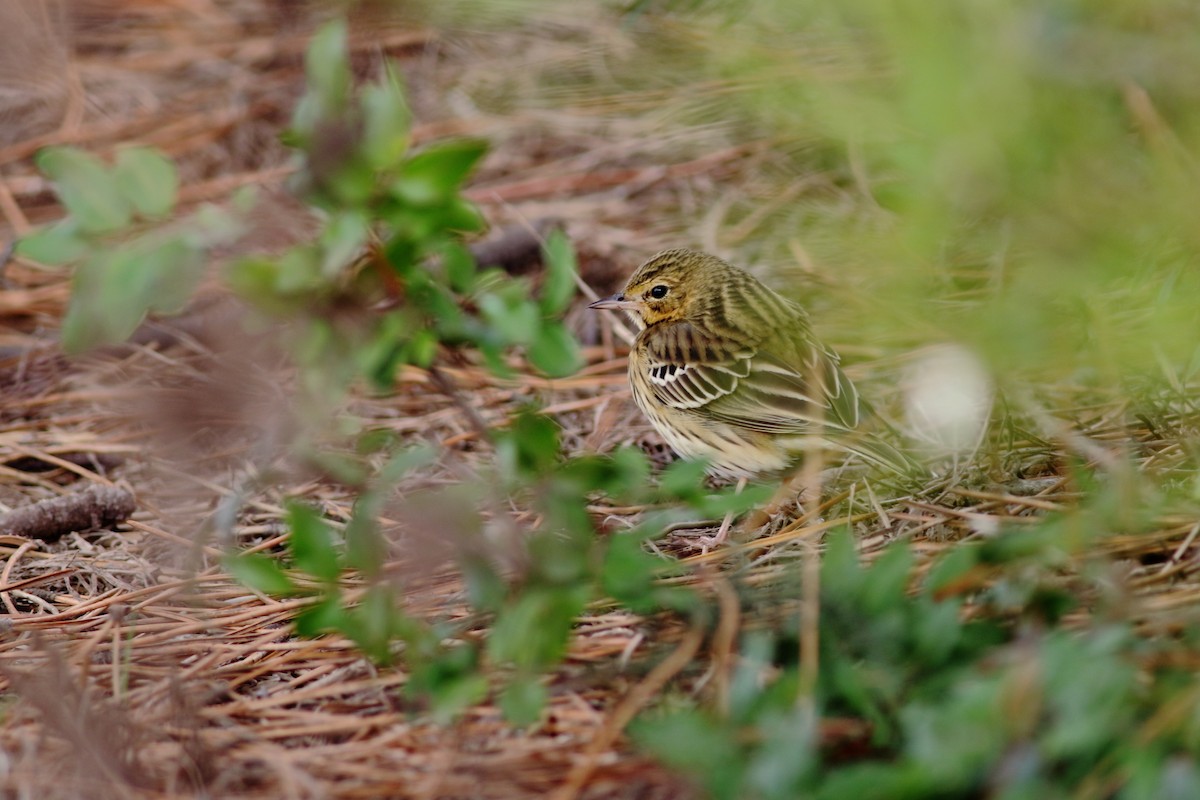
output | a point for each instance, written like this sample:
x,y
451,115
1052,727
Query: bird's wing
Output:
x,y
746,385
689,369
783,398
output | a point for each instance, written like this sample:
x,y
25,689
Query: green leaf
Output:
x,y
454,696
936,629
683,479
385,349
55,244
211,226
461,215
306,116
365,547
695,744
1090,687
624,475
422,348
459,267
298,271
77,327
954,739
448,318
841,575
344,468
514,319
555,352
530,445
950,566
434,175
351,182
254,279
851,684
561,556
406,461
789,754
730,501
559,285
1153,775
168,272
113,291
376,440
876,781
628,573
522,700
105,305
386,123
342,241
374,622
486,589
493,357
631,474
147,180
329,614
86,188
311,543
886,586
531,633
755,655
261,573
326,67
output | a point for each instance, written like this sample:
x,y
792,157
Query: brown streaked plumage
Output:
x,y
728,370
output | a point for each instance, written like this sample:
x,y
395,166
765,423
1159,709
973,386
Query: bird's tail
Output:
x,y
880,453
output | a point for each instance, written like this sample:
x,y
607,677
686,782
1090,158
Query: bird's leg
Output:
x,y
727,523
796,485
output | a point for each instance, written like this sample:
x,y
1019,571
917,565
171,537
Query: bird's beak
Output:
x,y
615,303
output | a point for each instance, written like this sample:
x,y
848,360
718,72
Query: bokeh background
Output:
x,y
1016,180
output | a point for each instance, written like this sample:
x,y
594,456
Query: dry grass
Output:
x,y
132,666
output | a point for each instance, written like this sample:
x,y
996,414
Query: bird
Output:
x,y
729,371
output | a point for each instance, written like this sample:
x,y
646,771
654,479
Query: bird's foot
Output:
x,y
707,542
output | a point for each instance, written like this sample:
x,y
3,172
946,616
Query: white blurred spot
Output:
x,y
948,399
984,524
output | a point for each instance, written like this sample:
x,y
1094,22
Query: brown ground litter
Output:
x,y
131,665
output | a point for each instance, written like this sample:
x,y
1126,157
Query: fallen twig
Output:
x,y
93,508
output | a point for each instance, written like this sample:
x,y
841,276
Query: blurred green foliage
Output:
x,y
406,209
1021,176
391,237
916,698
1015,175
129,258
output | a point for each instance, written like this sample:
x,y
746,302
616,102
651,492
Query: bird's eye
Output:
x,y
659,292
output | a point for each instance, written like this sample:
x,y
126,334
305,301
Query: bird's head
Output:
x,y
672,286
